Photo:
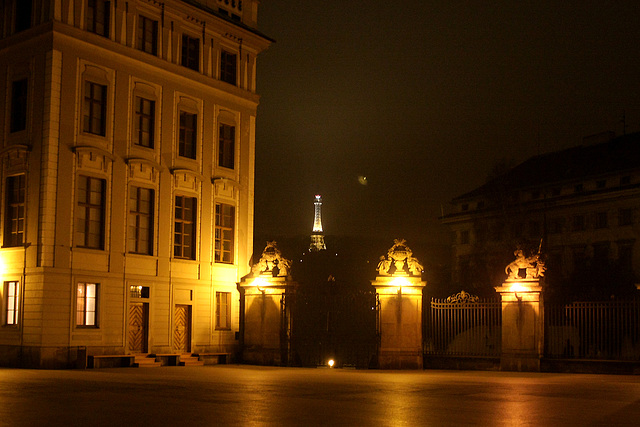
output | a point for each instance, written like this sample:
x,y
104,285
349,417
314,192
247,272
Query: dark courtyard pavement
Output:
x,y
244,395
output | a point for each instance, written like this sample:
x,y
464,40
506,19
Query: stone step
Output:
x,y
146,361
189,359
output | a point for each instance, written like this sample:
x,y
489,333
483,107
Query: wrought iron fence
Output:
x,y
608,330
463,325
338,325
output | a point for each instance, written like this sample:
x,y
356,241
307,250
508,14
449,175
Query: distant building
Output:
x,y
317,235
582,203
127,152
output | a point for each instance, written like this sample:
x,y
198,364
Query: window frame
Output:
x,y
82,319
94,111
143,33
98,13
140,117
228,67
15,222
90,208
137,216
190,52
180,249
223,297
220,227
187,136
227,146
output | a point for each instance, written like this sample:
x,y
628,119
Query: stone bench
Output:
x,y
110,361
214,358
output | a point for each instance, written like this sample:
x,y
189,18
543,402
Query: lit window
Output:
x,y
223,310
228,67
226,146
95,108
224,233
185,228
14,217
87,305
11,302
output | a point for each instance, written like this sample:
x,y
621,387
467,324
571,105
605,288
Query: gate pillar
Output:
x,y
522,315
265,316
399,321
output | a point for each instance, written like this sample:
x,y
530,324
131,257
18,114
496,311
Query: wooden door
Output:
x,y
138,327
182,328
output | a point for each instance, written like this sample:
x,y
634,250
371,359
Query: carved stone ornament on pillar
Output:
x,y
399,287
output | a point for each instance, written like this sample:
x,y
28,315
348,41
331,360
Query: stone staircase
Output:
x,y
188,359
146,361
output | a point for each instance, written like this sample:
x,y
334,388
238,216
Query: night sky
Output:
x,y
424,98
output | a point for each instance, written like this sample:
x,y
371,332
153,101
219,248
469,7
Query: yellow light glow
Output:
x,y
259,283
517,287
400,282
331,362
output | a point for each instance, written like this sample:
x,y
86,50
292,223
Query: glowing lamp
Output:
x,y
331,362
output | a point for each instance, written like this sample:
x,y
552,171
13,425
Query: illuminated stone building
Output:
x,y
583,202
127,151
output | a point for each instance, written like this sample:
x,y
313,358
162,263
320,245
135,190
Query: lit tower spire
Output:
x,y
317,235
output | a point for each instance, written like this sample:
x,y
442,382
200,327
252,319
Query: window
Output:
x,y
18,105
23,15
556,225
87,305
11,302
97,20
534,229
190,52
227,146
578,223
90,216
147,38
600,184
225,220
223,310
578,188
625,216
464,237
138,291
14,217
95,108
188,135
185,228
625,255
625,180
144,122
140,240
228,67
602,220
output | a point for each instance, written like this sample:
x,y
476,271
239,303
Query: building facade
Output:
x,y
127,152
580,207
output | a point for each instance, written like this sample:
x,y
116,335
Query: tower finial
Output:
x,y
317,235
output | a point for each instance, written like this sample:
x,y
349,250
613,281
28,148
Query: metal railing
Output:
x,y
608,330
464,328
